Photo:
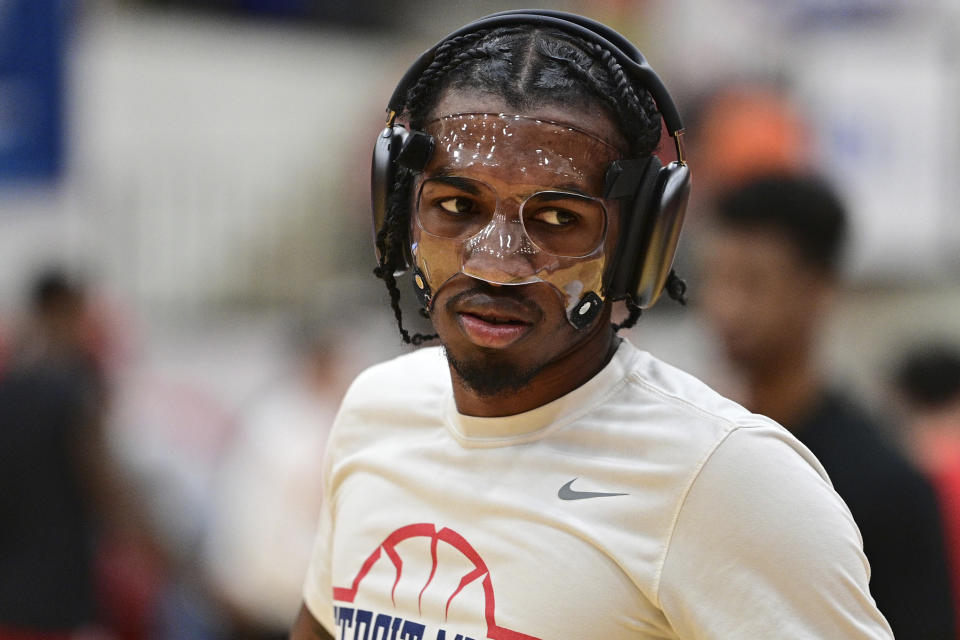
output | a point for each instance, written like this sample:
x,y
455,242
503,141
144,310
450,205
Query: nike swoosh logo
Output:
x,y
566,493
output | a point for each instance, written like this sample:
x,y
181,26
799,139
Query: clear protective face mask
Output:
x,y
513,200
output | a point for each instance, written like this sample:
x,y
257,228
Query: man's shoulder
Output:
x,y
729,453
653,383
398,396
426,361
419,372
671,415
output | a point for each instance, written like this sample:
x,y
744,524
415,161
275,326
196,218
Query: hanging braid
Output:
x,y
526,67
387,276
676,288
631,319
390,241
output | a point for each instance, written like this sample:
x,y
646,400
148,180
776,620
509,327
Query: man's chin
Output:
x,y
491,374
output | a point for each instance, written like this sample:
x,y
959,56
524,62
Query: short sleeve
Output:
x,y
763,547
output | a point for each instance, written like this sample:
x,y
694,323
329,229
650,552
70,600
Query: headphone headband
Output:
x,y
633,62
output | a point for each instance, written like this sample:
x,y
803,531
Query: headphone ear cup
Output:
x,y
635,210
383,173
668,206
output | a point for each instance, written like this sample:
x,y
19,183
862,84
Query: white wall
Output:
x,y
208,159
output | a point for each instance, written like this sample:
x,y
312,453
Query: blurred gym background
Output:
x,y
200,169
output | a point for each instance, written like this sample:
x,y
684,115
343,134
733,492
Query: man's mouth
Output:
x,y
492,332
493,318
492,322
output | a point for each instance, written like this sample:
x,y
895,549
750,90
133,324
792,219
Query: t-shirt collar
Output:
x,y
536,423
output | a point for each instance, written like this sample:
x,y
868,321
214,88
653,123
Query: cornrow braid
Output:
x,y
444,60
649,133
604,74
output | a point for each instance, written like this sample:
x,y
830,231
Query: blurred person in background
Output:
x,y
56,335
51,402
926,384
746,127
266,499
771,271
59,492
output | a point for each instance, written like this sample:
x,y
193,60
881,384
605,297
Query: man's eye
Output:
x,y
456,205
556,217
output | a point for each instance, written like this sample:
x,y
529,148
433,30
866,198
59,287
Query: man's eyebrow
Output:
x,y
465,184
571,187
561,194
469,185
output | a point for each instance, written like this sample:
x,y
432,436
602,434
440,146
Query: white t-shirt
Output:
x,y
640,505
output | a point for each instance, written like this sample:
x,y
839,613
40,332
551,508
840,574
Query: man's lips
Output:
x,y
494,321
496,309
495,317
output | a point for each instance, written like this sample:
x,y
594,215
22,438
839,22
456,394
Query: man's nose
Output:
x,y
501,252
503,237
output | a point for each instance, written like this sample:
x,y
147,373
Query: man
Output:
x,y
771,273
545,479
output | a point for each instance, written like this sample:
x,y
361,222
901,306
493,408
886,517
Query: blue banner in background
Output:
x,y
32,40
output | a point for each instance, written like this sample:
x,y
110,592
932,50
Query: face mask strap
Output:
x,y
585,311
422,288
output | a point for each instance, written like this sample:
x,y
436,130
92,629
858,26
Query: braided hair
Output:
x,y
526,67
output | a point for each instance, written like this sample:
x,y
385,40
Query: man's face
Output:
x,y
760,298
499,321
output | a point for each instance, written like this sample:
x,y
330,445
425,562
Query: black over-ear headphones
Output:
x,y
654,197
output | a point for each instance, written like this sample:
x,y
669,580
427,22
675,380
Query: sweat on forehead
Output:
x,y
520,144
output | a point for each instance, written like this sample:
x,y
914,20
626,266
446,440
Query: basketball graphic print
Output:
x,y
411,585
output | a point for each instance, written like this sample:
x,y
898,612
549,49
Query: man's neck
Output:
x,y
784,392
556,379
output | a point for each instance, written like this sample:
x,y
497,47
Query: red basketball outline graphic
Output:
x,y
455,540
